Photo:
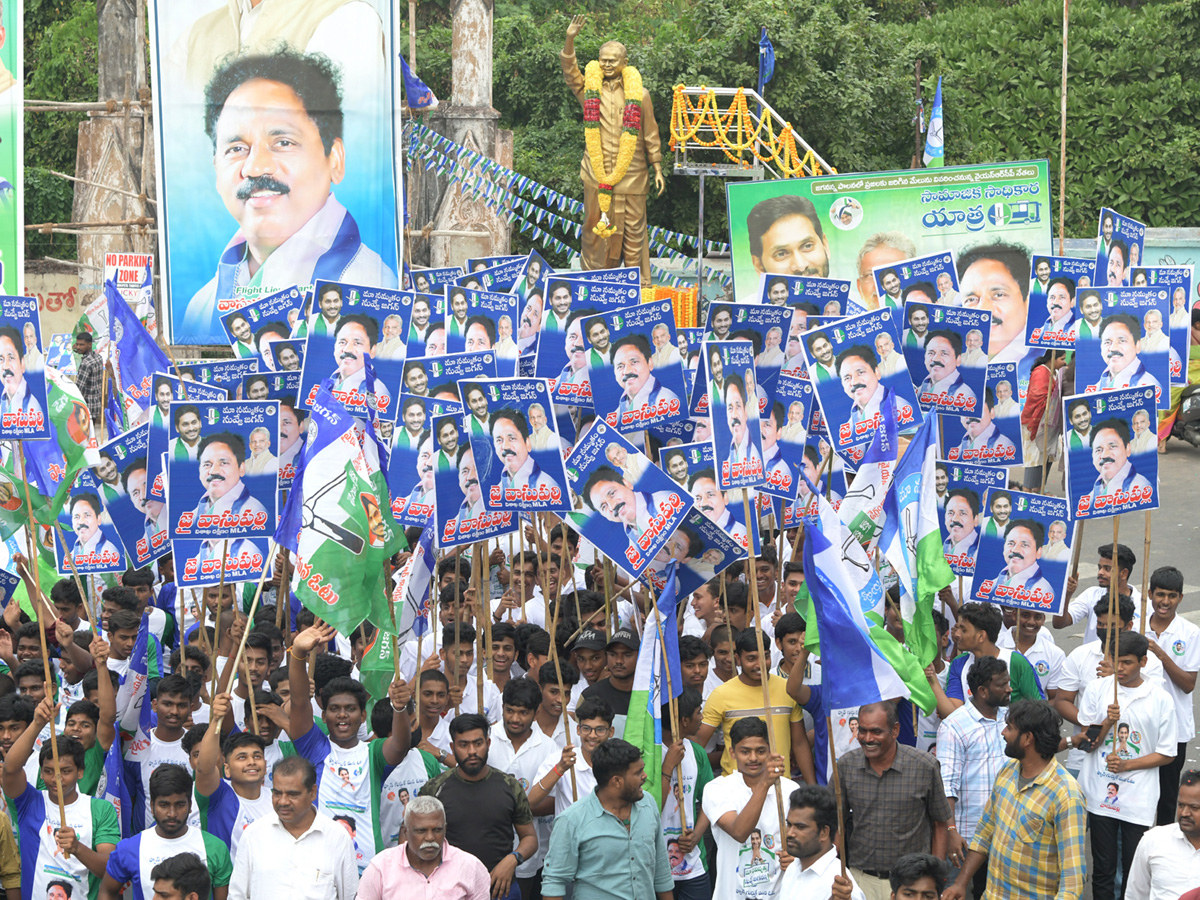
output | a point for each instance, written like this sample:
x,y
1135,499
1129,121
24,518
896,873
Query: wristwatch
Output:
x,y
520,858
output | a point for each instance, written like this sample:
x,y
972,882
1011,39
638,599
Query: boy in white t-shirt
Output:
x,y
1124,743
1037,645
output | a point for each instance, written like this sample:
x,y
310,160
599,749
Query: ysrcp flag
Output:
x,y
935,146
135,356
338,521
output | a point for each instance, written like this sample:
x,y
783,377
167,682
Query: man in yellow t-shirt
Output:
x,y
742,697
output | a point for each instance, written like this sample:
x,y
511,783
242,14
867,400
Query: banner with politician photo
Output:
x,y
496,273
459,513
784,436
227,374
953,358
203,563
348,327
960,492
1177,282
22,370
991,437
634,367
532,279
931,280
478,321
1054,286
275,149
560,354
169,390
122,481
692,467
816,468
227,490
438,378
673,434
426,331
736,438
253,328
819,296
1128,346
620,486
92,543
795,227
414,455
702,550
431,281
1119,245
566,291
1116,470
766,327
518,455
861,403
1023,562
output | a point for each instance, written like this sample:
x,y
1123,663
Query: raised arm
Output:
x,y
14,780
300,717
106,728
208,761
395,748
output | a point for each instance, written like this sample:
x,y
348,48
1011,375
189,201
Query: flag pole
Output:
x,y
764,662
837,793
1145,572
31,541
70,558
217,628
562,695
1112,605
485,614
673,710
231,665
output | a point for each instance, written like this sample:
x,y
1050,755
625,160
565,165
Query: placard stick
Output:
x,y
764,662
70,558
251,687
31,541
283,604
1062,140
457,626
837,796
1145,573
220,600
485,614
1112,606
1078,548
562,694
232,664
672,707
521,580
1042,479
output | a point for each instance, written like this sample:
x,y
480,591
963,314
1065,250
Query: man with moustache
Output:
x,y
187,423
774,465
1060,308
786,237
812,827
944,384
542,436
480,334
468,483
1118,260
576,370
742,449
961,512
1023,541
17,396
981,434
1087,325
995,278
355,337
1110,456
222,466
531,323
422,493
712,502
820,350
880,249
633,371
292,230
1120,344
266,337
291,436
511,439
1164,862
859,373
91,547
607,494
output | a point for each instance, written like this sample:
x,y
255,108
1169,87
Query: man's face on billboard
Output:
x,y
511,447
791,247
241,329
1043,271
258,390
988,285
1118,347
859,380
220,472
349,348
778,293
189,427
273,173
631,369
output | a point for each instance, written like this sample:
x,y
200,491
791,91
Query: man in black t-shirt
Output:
x,y
484,806
615,690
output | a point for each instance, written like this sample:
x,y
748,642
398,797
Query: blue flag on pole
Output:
x,y
135,355
935,147
416,92
766,61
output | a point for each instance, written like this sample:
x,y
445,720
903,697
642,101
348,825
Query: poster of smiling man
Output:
x,y
1129,347
953,361
765,327
1177,282
474,322
337,347
513,473
253,328
992,436
825,296
859,402
636,496
1116,471
163,442
737,442
228,374
92,541
1119,246
702,550
960,499
459,512
413,457
275,152
1012,567
784,436
1055,284
532,279
428,316
431,281
500,273
22,371
438,378
122,481
725,509
634,367
931,280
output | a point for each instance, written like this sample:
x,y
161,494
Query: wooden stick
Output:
x,y
511,561
1062,139
457,625
241,648
485,614
764,663
1145,573
31,542
183,623
1042,486
1078,548
837,795
70,558
1112,606
562,693
672,708
220,601
250,689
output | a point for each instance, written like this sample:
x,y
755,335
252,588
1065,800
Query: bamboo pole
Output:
x,y
562,694
236,659
837,795
1145,573
217,627
1112,606
70,558
1062,138
672,709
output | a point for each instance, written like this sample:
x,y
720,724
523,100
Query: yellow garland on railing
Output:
x,y
631,79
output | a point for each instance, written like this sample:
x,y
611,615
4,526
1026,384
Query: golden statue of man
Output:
x,y
622,143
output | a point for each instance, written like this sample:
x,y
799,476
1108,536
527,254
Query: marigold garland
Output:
x,y
631,131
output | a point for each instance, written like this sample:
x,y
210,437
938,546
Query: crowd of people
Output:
x,y
503,771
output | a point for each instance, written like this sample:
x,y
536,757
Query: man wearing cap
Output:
x,y
621,657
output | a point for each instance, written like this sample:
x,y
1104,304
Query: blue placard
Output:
x,y
960,492
122,478
1119,350
1054,286
412,458
692,468
1115,470
253,328
22,371
92,541
931,279
480,321
167,391
950,368
819,296
428,281
461,517
991,437
1177,281
1012,568
737,442
1119,245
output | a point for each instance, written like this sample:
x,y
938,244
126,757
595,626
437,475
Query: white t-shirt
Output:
x,y
1045,656
1147,725
1181,641
524,764
1084,607
148,752
750,870
411,775
692,865
585,781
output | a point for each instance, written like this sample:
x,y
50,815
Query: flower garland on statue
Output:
x,y
631,130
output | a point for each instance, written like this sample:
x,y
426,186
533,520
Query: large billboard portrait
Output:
x,y
274,148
